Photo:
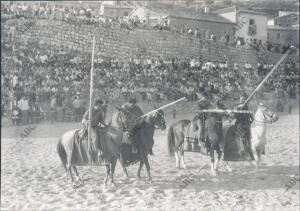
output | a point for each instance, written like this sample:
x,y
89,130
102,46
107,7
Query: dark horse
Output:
x,y
143,139
210,133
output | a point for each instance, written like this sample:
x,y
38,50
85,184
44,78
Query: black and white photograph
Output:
x,y
188,105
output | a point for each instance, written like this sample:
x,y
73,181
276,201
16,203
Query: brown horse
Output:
x,y
143,139
74,152
210,132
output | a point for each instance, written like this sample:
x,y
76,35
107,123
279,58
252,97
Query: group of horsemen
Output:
x,y
242,123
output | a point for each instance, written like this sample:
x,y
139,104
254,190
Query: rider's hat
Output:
x,y
99,102
132,100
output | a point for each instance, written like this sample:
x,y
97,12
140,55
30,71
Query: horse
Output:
x,y
66,147
177,131
262,117
143,138
211,136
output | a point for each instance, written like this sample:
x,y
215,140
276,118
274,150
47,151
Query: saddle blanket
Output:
x,y
234,149
191,141
81,155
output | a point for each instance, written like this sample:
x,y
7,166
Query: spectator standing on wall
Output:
x,y
60,113
226,38
53,106
292,95
77,107
15,115
23,104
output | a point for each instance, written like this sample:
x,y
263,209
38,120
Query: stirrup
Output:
x,y
134,150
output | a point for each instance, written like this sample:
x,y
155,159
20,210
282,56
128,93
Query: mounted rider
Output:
x,y
214,124
133,113
194,137
243,128
97,122
199,121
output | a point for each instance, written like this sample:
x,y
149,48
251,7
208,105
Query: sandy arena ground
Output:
x,y
32,177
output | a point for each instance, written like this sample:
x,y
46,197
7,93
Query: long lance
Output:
x,y
269,74
91,98
162,107
224,111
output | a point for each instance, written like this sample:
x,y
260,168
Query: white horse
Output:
x,y
262,117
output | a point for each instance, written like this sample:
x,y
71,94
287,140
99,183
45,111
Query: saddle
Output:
x,y
82,133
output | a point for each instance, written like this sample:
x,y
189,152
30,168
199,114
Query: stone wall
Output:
x,y
113,41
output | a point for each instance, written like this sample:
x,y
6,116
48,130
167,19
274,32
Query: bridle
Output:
x,y
151,119
266,115
157,117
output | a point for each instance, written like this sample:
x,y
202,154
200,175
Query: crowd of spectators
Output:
x,y
89,15
38,84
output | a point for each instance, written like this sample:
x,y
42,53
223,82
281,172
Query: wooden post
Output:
x,y
91,99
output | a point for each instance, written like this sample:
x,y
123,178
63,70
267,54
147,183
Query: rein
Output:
x,y
148,119
263,122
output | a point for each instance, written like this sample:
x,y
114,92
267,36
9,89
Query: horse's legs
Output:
x,y
107,173
71,175
123,166
78,179
219,157
229,169
113,166
139,169
177,159
182,161
255,155
148,168
212,162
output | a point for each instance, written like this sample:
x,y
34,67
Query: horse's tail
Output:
x,y
62,153
171,141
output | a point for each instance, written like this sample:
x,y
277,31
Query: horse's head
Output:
x,y
158,119
265,115
122,117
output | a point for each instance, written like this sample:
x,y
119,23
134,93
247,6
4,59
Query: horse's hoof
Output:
x,y
229,169
213,173
80,180
138,177
126,178
85,179
113,184
75,186
150,182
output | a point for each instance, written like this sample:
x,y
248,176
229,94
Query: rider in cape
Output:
x,y
198,123
133,123
243,129
97,123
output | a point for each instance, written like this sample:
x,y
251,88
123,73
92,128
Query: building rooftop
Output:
x,y
295,15
118,6
239,9
187,13
276,27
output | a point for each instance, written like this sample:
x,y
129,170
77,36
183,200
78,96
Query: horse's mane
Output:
x,y
115,119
